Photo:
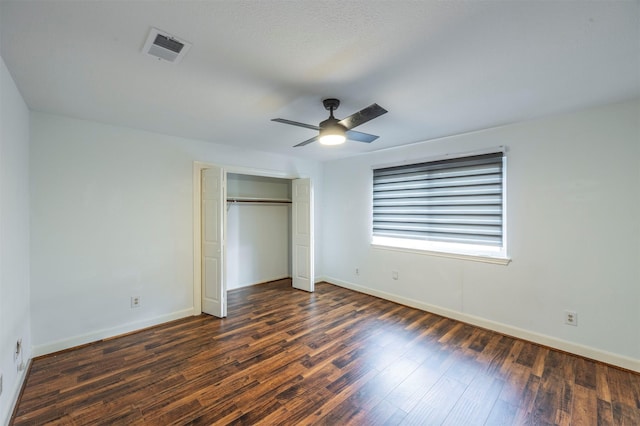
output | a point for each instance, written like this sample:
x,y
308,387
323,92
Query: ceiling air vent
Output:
x,y
163,45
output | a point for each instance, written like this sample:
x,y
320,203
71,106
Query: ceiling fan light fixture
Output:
x,y
332,133
327,139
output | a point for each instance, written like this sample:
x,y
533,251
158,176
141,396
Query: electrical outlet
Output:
x,y
394,275
135,302
571,318
357,271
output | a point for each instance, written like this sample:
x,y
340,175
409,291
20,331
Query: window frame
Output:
x,y
472,252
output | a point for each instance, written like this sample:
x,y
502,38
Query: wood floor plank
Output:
x,y
528,355
605,414
284,356
585,373
475,404
527,401
410,391
585,403
502,414
437,403
384,413
602,383
548,399
515,383
512,357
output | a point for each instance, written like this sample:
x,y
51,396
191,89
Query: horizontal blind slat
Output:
x,y
488,199
439,192
437,210
450,219
441,183
423,228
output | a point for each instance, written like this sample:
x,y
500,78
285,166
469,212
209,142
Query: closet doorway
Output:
x,y
249,227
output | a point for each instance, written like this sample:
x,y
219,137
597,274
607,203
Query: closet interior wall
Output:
x,y
258,245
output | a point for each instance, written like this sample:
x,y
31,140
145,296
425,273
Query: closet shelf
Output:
x,y
258,200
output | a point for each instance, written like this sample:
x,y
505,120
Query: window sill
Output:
x,y
495,260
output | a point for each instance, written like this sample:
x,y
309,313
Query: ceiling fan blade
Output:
x,y
295,123
352,135
307,142
362,116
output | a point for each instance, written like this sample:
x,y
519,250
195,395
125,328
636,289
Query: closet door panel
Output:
x,y
213,202
302,235
302,265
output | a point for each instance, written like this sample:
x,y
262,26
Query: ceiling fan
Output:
x,y
333,131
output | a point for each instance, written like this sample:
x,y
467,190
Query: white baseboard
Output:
x,y
95,336
542,339
16,392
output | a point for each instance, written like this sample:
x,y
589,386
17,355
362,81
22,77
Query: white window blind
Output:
x,y
454,200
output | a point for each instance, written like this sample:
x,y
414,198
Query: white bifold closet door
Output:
x,y
302,235
213,209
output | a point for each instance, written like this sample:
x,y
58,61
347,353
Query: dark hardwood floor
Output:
x,y
333,357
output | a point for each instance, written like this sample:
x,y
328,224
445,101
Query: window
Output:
x,y
453,205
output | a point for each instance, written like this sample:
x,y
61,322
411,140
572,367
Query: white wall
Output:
x,y
573,203
262,187
111,218
258,243
14,239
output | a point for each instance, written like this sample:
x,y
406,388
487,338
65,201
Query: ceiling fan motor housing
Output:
x,y
331,104
331,122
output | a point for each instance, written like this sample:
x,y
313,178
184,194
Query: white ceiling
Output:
x,y
439,67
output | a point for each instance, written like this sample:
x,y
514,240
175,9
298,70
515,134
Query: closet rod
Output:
x,y
258,200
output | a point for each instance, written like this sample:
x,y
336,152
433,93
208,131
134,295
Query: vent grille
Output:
x,y
168,43
165,46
